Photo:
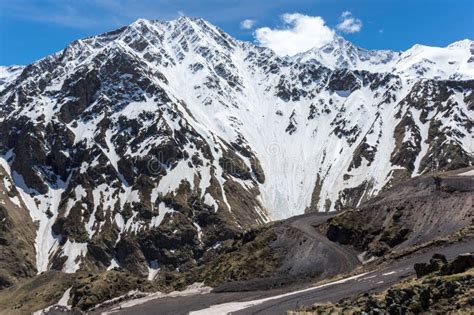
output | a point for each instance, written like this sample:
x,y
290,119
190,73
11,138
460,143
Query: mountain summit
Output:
x,y
145,146
342,54
454,62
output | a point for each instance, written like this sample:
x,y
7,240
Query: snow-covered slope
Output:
x,y
342,54
454,62
8,74
144,146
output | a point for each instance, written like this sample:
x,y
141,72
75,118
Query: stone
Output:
x,y
462,263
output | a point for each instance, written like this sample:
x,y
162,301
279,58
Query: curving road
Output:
x,y
312,255
309,256
279,301
370,282
337,259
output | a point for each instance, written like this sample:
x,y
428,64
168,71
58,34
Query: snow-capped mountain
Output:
x,y
454,62
342,54
145,146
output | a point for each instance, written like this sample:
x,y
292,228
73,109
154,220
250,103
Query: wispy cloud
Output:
x,y
64,13
113,13
88,13
247,24
349,24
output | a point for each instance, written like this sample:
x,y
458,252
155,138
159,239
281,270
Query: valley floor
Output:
x,y
281,300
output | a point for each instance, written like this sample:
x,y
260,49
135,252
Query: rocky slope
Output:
x,y
416,212
447,291
17,235
291,252
146,146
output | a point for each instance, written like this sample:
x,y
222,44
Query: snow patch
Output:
x,y
227,308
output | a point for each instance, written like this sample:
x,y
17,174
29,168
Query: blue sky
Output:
x,y
32,29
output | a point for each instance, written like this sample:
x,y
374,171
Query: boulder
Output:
x,y
462,263
437,262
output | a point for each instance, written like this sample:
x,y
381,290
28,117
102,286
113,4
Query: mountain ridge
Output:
x,y
342,54
337,41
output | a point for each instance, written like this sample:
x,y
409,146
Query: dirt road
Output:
x,y
279,301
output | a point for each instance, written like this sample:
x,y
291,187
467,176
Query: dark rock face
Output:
x,y
438,263
17,236
406,151
235,166
435,264
344,81
378,236
174,244
441,154
460,264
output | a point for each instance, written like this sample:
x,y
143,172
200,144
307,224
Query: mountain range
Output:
x,y
147,146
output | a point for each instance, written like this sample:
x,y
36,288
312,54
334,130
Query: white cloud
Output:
x,y
247,24
299,33
349,24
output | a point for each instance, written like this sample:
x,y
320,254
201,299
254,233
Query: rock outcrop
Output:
x,y
410,214
439,292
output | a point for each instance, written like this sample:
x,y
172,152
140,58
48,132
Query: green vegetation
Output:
x,y
249,256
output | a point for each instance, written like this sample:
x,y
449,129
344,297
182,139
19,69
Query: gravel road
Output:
x,y
338,259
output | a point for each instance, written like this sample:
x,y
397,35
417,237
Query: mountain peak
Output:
x,y
342,54
465,43
339,41
456,61
181,21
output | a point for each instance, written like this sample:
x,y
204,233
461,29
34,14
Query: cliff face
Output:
x,y
17,235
